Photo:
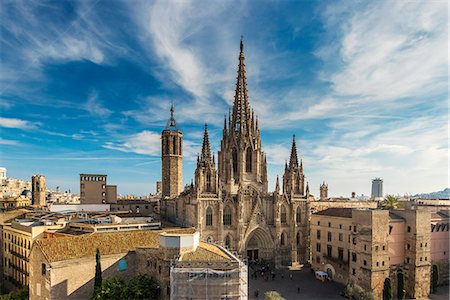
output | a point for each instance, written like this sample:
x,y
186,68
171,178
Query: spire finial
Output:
x,y
206,151
242,43
293,162
171,122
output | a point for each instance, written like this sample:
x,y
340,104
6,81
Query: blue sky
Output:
x,y
85,86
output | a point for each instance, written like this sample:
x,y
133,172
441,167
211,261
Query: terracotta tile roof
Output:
x,y
206,252
336,212
65,248
7,216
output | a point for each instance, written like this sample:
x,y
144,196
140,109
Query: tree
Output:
x,y
400,285
98,270
354,291
387,289
21,294
113,289
390,202
273,295
434,278
140,287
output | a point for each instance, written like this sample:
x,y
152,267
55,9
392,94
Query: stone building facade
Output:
x,y
38,190
366,246
230,203
95,190
64,267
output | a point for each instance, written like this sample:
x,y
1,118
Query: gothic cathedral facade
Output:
x,y
231,204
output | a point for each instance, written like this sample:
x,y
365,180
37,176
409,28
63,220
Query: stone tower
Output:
x,y
38,190
241,160
205,173
293,178
323,191
172,159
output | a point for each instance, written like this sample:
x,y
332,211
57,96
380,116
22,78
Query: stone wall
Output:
x,y
74,279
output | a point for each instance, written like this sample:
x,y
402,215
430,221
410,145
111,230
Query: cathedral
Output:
x,y
231,204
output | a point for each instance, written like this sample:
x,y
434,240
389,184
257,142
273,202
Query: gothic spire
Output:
x,y
171,124
241,110
277,186
293,162
206,150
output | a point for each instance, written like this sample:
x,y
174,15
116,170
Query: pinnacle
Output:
x,y
206,150
293,162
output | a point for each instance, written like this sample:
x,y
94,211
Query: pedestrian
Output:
x,y
290,276
282,275
298,290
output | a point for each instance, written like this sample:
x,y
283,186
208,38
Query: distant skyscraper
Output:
x,y
2,173
377,188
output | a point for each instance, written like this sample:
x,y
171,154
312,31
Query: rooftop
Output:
x,y
65,248
206,252
336,212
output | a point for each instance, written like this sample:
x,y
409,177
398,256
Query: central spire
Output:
x,y
206,150
241,110
293,162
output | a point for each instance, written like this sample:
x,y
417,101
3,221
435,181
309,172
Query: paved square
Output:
x,y
310,288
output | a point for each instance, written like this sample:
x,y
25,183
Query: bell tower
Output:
x,y
172,159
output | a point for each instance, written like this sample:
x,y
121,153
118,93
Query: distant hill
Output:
x,y
445,194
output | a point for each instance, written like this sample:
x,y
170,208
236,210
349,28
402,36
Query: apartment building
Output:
x,y
366,246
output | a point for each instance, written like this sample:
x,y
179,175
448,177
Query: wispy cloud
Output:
x,y
94,106
8,142
145,142
17,123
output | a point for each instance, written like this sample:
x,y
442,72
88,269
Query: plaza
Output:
x,y
303,285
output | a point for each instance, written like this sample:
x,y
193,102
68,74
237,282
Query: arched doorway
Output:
x,y
259,245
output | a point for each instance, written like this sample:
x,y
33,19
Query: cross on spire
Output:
x,y
171,122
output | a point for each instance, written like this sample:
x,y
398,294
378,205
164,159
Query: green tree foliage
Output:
x,y
387,289
98,270
354,291
21,294
400,285
390,202
273,295
434,278
140,287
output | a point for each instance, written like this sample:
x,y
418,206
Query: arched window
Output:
x,y
298,238
227,216
235,161
298,215
174,150
283,214
248,160
209,216
208,182
179,147
283,239
228,242
166,145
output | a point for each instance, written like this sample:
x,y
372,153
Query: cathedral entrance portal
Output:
x,y
259,245
252,249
